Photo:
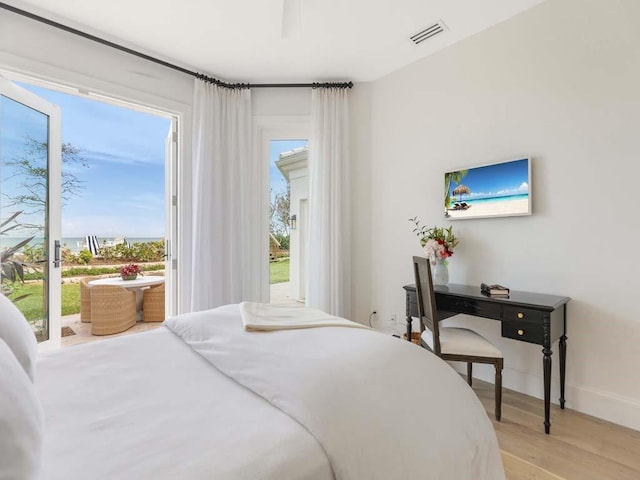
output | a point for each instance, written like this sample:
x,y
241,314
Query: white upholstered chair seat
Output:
x,y
462,341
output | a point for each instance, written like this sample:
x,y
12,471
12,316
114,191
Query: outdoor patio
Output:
x,y
82,331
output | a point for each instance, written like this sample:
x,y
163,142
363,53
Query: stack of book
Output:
x,y
494,290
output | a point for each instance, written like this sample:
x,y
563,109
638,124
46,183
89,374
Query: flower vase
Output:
x,y
440,272
129,277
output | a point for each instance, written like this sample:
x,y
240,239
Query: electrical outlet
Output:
x,y
393,318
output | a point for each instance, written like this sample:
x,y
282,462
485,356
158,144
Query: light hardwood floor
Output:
x,y
580,447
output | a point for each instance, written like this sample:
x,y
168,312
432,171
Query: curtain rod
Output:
x,y
149,58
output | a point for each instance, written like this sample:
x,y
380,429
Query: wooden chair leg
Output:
x,y
470,373
498,390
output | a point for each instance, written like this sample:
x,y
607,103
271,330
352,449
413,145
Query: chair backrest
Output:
x,y
426,300
85,300
105,299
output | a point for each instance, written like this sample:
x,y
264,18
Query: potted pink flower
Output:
x,y
130,272
438,244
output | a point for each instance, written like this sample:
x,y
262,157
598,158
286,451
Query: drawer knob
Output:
x,y
520,332
520,315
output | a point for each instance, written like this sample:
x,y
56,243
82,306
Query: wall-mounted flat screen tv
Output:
x,y
492,190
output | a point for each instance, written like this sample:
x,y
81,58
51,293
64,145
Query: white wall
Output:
x,y
559,82
360,150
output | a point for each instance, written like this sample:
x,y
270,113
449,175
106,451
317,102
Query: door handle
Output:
x,y
56,254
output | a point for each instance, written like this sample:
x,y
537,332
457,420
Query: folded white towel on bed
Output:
x,y
266,317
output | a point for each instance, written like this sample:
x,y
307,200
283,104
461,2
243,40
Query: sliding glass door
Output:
x,y
30,207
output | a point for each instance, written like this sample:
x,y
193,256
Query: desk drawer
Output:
x,y
522,314
523,331
470,307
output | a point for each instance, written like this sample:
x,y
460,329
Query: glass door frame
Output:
x,y
171,217
267,128
53,226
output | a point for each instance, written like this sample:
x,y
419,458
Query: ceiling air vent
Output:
x,y
431,31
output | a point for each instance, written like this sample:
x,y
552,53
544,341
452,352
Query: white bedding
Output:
x,y
258,317
146,406
381,408
310,404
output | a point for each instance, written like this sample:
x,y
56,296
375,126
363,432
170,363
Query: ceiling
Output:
x,y
280,40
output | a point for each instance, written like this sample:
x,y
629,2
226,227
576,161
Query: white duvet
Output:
x,y
211,400
147,407
379,407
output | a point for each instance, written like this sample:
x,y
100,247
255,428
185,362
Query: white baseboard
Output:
x,y
608,406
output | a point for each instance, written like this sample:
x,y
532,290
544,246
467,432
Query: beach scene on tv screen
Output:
x,y
491,190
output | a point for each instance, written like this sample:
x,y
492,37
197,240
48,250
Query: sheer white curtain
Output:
x,y
226,202
329,273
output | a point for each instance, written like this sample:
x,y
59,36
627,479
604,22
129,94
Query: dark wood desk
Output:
x,y
527,317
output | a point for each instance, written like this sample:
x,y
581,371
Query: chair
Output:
x,y
85,300
113,309
91,243
449,343
153,304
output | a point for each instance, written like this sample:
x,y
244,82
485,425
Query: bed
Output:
x,y
200,397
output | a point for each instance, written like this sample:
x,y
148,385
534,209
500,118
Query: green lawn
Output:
x,y
279,271
31,306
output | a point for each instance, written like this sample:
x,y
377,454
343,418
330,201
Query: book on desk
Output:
x,y
494,290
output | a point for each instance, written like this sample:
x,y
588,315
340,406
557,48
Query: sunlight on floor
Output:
x,y
82,331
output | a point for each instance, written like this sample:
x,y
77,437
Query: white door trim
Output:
x,y
54,180
266,128
55,78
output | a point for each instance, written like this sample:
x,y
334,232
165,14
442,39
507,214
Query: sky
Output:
x,y
123,192
277,181
502,179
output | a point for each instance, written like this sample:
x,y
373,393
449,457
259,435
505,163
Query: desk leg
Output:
x,y
546,365
563,354
563,363
408,315
546,368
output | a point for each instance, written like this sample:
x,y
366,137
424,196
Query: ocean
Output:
x,y
72,243
506,198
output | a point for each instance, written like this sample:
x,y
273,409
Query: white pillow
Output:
x,y
16,332
21,421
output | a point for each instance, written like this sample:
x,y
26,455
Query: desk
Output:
x,y
526,317
138,285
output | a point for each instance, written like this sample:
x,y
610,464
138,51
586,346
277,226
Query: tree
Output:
x,y
31,170
280,209
11,269
448,178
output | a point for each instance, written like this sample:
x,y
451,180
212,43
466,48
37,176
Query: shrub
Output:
x,y
68,256
283,240
137,252
84,257
148,251
32,254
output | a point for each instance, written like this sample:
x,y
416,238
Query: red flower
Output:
x,y
131,269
